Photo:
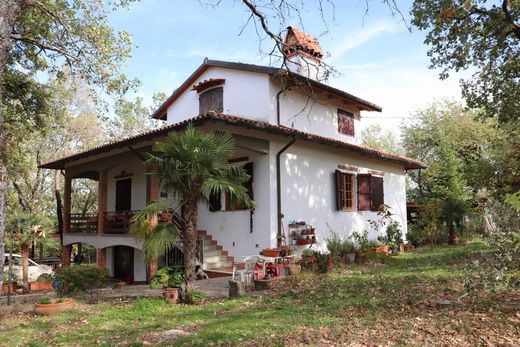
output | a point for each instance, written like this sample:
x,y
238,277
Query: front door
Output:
x,y
124,263
124,194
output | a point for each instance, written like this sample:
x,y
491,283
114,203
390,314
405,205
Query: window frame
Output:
x,y
207,94
343,180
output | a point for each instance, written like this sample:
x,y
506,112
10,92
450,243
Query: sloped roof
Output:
x,y
241,122
160,113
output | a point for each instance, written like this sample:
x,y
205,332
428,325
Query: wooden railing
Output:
x,y
118,222
83,223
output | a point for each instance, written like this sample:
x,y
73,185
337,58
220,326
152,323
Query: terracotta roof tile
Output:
x,y
408,163
212,82
296,40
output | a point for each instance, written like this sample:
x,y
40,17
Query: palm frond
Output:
x,y
164,237
144,222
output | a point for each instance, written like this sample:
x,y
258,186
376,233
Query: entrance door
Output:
x,y
124,263
124,195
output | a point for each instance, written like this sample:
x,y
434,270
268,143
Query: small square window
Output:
x,y
345,122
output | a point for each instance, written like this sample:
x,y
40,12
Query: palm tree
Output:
x,y
29,228
195,166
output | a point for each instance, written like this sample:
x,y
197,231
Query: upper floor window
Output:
x,y
345,122
211,100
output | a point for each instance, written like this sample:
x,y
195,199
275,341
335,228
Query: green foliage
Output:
x,y
480,36
44,278
416,235
334,245
348,247
166,277
81,278
45,300
374,137
361,240
197,296
321,262
394,235
307,253
5,277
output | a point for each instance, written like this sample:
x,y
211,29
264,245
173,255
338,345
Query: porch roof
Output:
x,y
213,117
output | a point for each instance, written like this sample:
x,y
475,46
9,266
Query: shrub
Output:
x,y
361,240
45,300
166,277
416,235
197,296
334,245
81,278
348,247
44,278
394,235
321,262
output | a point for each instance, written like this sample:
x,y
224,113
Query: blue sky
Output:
x,y
377,57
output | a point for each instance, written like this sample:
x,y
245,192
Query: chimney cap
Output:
x,y
296,40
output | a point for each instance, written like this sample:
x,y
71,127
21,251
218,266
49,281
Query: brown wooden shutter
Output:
x,y
215,203
339,193
211,100
377,190
249,168
364,192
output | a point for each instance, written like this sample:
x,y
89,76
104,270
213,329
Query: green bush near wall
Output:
x,y
80,279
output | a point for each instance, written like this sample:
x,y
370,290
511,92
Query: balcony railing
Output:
x,y
84,223
117,223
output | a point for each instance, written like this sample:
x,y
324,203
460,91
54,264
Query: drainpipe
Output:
x,y
279,236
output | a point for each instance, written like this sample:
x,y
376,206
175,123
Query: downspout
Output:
x,y
279,237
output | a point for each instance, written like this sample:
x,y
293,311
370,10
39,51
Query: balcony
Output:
x,y
115,223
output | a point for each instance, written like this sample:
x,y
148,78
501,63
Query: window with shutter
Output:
x,y
344,191
364,193
211,100
378,197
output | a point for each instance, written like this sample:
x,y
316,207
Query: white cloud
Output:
x,y
359,37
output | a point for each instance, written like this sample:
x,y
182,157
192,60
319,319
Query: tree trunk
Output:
x,y
24,252
451,233
189,215
9,12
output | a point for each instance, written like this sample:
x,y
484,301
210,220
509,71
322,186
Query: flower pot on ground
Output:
x,y
350,257
407,248
120,285
171,295
330,263
5,289
44,282
47,307
197,298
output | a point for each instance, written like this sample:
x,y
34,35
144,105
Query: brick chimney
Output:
x,y
303,53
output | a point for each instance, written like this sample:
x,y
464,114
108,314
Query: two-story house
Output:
x,y
298,138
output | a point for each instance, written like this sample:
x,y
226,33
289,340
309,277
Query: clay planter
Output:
x,y
5,288
120,285
54,307
272,252
171,295
350,257
407,248
40,286
380,249
294,269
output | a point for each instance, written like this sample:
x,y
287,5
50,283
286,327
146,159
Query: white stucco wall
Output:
x,y
134,166
231,229
308,190
139,266
316,116
245,94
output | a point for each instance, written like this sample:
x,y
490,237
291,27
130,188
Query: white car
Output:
x,y
35,269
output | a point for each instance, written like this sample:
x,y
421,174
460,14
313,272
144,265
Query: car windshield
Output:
x,y
16,261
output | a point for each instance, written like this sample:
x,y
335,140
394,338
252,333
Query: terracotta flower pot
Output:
x,y
330,263
120,285
408,248
40,286
5,288
54,307
171,295
351,257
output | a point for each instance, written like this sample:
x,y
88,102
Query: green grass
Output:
x,y
375,303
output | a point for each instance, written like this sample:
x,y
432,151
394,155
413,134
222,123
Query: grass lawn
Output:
x,y
379,304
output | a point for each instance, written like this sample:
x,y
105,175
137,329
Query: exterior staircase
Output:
x,y
216,262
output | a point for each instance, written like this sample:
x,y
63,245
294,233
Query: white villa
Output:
x,y
298,138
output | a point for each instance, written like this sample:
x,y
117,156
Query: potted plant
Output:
x,y
323,261
334,244
48,306
170,280
348,251
43,282
5,283
308,259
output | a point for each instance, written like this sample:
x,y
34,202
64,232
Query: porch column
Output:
x,y
101,257
65,255
67,194
152,194
102,201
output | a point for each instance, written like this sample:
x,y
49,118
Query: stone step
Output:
x,y
217,265
215,258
